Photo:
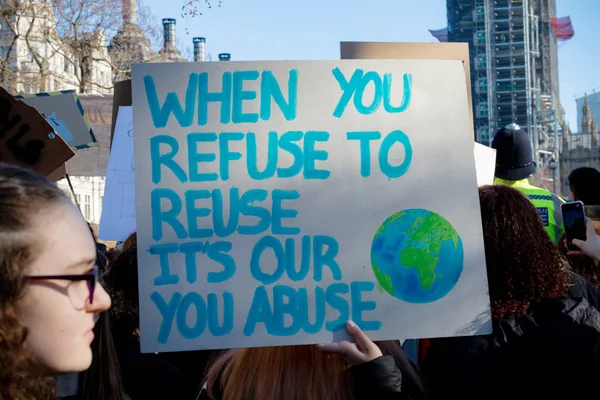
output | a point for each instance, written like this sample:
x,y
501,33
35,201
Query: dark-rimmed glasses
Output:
x,y
90,280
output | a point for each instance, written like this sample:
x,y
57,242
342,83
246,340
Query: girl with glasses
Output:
x,y
49,291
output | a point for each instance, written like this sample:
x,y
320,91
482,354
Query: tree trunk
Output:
x,y
5,80
43,78
83,79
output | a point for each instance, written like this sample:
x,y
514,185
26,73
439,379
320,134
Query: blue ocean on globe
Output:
x,y
417,256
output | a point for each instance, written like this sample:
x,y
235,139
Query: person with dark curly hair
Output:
x,y
544,341
48,286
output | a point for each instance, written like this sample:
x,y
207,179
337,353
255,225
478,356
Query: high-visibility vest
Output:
x,y
546,203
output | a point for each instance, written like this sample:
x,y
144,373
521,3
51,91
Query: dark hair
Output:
x,y
23,196
523,264
592,211
111,255
122,285
102,380
584,182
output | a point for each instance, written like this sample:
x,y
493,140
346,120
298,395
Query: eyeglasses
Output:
x,y
75,290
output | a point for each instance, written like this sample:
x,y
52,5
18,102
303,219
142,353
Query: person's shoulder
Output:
x,y
556,198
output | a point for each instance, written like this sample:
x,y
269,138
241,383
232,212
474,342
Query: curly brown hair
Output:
x,y
523,264
23,195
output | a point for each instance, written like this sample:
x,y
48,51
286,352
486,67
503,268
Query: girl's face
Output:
x,y
57,313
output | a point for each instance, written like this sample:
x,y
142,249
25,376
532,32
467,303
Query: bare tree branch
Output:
x,y
194,8
68,33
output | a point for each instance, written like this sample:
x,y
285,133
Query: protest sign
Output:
x,y
64,112
118,210
485,164
27,139
93,161
277,200
58,174
122,97
411,51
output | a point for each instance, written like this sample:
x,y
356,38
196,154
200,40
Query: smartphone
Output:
x,y
574,220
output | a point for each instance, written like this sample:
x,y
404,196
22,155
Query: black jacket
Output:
x,y
552,350
583,288
379,379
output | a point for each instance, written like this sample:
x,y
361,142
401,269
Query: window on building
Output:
x,y
67,64
78,199
87,207
481,61
481,37
480,13
483,84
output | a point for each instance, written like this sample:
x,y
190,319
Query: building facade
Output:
x,y
29,46
514,65
593,102
89,194
581,149
33,59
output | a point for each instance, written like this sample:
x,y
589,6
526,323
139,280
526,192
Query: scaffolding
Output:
x,y
512,54
469,22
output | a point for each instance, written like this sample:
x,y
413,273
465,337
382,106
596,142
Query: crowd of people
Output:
x,y
69,314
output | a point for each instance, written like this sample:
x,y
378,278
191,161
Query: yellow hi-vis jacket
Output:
x,y
546,203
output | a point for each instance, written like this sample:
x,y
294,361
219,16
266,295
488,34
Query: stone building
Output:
x,y
33,58
580,149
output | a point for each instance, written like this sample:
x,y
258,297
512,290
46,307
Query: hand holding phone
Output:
x,y
591,246
574,221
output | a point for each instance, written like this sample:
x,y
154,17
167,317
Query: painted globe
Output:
x,y
417,256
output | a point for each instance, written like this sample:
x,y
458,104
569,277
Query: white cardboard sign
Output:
x,y
118,211
281,199
485,164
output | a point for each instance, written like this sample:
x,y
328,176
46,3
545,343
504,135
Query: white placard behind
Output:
x,y
485,164
118,207
232,191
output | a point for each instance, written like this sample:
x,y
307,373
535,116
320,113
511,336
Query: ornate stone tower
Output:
x,y
130,45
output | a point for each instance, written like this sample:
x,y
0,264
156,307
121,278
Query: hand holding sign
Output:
x,y
25,138
361,351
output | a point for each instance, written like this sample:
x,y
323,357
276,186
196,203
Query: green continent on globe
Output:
x,y
384,280
425,241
